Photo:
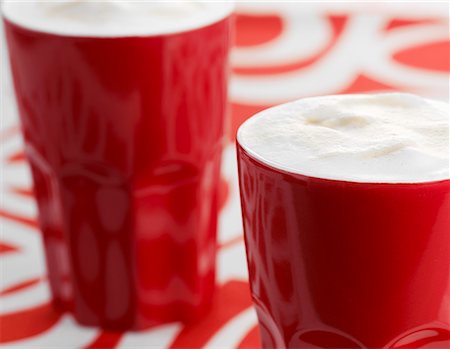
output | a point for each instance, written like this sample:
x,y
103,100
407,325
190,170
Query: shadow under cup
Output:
x,y
124,136
337,264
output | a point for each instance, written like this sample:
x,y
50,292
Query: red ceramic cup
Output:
x,y
337,264
124,136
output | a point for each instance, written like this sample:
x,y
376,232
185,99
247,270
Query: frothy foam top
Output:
x,y
382,138
114,18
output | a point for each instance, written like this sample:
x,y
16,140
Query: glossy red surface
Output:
x,y
124,137
346,265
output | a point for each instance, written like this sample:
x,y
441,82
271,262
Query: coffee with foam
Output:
x,y
107,18
381,138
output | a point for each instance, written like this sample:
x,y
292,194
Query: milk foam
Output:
x,y
382,138
100,18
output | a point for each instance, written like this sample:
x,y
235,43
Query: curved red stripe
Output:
x,y
105,340
254,30
5,248
400,22
365,84
231,299
251,340
234,241
27,323
338,24
429,56
25,192
20,286
16,157
18,218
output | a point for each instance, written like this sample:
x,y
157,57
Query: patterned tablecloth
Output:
x,y
284,51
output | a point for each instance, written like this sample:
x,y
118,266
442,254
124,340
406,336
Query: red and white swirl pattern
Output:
x,y
284,51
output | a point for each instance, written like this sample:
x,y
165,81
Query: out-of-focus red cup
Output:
x,y
124,136
337,264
